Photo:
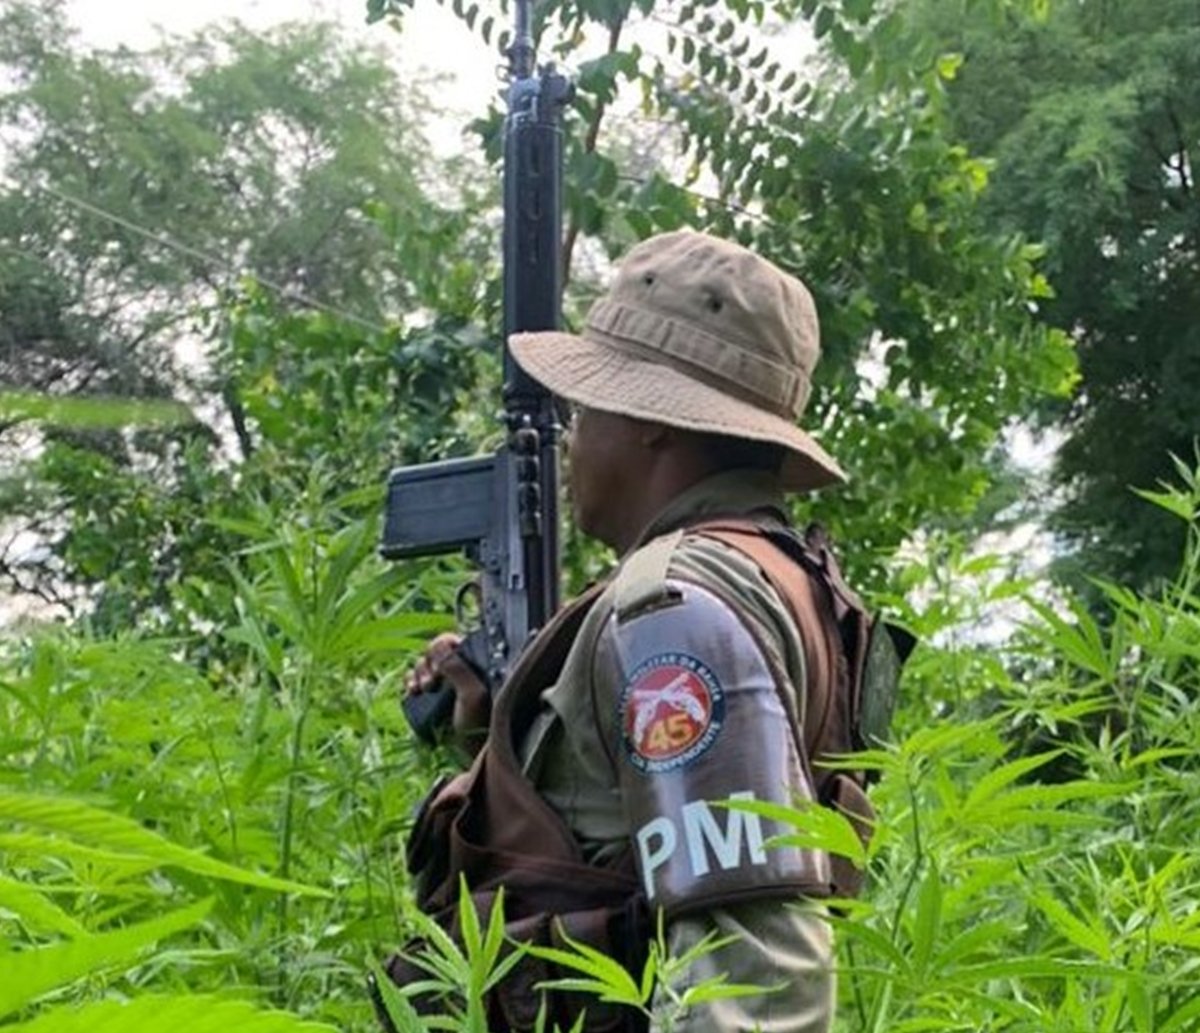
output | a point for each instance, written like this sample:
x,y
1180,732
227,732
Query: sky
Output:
x,y
433,40
137,23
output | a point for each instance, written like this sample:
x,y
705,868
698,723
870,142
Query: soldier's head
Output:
x,y
698,359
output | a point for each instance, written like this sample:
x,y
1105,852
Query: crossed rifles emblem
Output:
x,y
674,694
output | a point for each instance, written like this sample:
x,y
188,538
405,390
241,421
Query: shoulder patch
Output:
x,y
672,709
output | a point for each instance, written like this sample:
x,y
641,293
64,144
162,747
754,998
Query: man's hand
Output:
x,y
425,675
442,667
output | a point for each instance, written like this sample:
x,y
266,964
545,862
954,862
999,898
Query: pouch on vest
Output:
x,y
489,826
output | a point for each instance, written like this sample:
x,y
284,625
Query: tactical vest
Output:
x,y
490,826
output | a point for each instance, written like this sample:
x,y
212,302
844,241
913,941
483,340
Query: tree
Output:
x,y
239,222
1092,118
843,169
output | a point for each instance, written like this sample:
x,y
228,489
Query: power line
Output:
x,y
209,259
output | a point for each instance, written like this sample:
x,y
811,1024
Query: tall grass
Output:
x,y
202,831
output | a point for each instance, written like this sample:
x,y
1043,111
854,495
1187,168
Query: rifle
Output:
x,y
502,509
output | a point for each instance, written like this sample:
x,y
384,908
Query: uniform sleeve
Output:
x,y
788,949
698,716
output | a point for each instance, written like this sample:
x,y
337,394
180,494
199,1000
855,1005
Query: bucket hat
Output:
x,y
699,333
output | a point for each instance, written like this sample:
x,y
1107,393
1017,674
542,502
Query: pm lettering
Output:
x,y
738,843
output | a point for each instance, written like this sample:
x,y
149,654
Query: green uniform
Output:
x,y
680,690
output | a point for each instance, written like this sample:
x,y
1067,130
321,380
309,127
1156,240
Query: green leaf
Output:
x,y
1035,967
1053,795
468,921
1183,1019
948,66
716,989
1141,1004
817,828
404,1017
649,976
991,783
595,987
1172,500
1087,936
618,983
35,909
874,940
94,413
32,844
1154,756
30,973
928,923
95,827
179,1014
493,940
984,936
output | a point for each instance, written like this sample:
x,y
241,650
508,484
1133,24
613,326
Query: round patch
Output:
x,y
671,711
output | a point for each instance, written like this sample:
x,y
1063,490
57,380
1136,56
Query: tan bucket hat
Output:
x,y
699,333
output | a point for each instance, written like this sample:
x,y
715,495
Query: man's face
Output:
x,y
602,467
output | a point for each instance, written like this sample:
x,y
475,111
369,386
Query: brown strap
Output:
x,y
821,605
518,819
817,633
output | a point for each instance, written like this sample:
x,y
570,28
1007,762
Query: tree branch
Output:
x,y
1166,161
237,413
1182,149
589,147
1159,153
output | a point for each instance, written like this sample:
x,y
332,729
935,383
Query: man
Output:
x,y
685,679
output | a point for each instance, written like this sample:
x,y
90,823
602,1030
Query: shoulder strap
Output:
x,y
797,579
834,629
641,582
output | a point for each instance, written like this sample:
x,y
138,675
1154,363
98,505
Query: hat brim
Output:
x,y
601,377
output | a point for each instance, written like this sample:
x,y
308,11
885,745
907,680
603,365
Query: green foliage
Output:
x,y
119,838
458,976
234,233
89,412
664,976
814,828
201,816
1032,869
1090,118
51,834
844,168
185,1014
32,972
284,760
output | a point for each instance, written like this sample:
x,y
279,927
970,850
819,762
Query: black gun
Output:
x,y
503,509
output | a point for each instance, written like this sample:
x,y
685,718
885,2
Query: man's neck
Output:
x,y
723,493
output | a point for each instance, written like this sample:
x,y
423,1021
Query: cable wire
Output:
x,y
211,260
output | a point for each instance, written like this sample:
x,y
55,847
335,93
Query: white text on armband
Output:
x,y
658,840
